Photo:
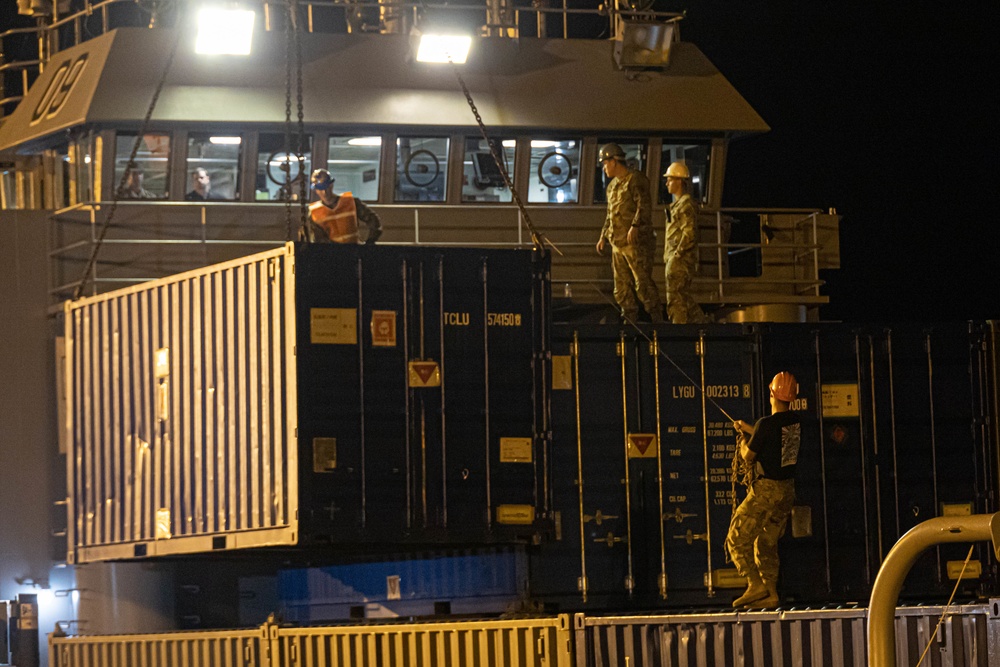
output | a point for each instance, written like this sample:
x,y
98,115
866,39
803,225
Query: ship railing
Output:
x,y
63,32
151,239
26,67
76,20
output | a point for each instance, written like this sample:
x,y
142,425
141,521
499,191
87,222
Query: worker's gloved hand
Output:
x,y
373,236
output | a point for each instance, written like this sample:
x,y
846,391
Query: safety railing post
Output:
x,y
815,243
718,251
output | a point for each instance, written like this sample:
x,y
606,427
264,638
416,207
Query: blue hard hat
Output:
x,y
322,180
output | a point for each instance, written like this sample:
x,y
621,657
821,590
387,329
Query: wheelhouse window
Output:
x,y
8,189
149,178
421,168
695,156
354,164
555,171
482,179
82,168
213,167
273,184
635,157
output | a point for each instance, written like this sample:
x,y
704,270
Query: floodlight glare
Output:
x,y
226,141
224,31
365,141
444,48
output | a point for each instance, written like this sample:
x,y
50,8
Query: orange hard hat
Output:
x,y
784,387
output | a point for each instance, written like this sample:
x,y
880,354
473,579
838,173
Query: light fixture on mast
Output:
x,y
224,31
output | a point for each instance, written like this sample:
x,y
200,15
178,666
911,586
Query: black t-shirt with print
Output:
x,y
776,441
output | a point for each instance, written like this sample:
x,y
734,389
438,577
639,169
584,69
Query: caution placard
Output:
x,y
517,515
383,328
642,445
973,570
515,450
333,326
424,374
840,400
728,578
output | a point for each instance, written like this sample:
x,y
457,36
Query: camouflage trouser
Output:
x,y
681,306
759,521
633,268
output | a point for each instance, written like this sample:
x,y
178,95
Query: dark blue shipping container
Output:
x,y
894,432
457,455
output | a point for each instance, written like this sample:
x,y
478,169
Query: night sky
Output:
x,y
880,110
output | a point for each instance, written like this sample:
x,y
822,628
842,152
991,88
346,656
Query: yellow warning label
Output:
x,y
383,328
515,450
333,326
972,570
424,374
840,400
642,445
728,578
517,515
562,371
163,524
956,509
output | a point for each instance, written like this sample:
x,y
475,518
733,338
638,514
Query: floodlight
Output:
x,y
444,48
226,141
365,141
644,43
224,31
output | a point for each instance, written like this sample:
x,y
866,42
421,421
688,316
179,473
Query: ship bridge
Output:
x,y
400,135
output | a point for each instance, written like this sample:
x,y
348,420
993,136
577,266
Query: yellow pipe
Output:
x,y
895,567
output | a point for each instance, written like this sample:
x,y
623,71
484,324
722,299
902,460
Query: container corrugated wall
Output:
x,y
181,413
824,638
969,636
541,642
177,649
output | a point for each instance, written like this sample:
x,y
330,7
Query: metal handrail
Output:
x,y
897,564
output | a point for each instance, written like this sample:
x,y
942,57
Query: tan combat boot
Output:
x,y
756,590
770,600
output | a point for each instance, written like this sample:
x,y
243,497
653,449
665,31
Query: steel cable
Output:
x,y
129,167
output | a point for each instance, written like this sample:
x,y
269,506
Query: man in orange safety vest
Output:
x,y
334,218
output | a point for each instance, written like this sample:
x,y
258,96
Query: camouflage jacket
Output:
x,y
680,241
629,204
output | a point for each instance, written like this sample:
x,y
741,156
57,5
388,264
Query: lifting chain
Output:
x,y
537,238
300,153
293,42
287,167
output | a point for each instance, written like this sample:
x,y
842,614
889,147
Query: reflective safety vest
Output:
x,y
340,222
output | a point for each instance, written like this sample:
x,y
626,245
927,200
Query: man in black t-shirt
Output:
x,y
773,451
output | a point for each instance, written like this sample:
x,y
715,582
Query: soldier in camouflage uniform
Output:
x,y
680,251
760,520
628,228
